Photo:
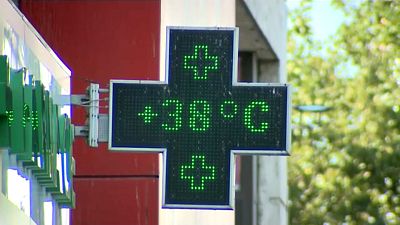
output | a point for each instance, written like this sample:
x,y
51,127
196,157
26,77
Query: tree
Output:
x,y
345,166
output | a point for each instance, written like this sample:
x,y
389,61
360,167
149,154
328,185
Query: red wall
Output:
x,y
99,41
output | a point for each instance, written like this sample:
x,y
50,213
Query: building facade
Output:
x,y
36,167
103,40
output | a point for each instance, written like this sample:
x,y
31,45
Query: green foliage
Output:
x,y
345,166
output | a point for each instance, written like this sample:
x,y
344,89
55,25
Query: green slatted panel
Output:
x,y
61,152
42,105
5,102
38,138
62,196
31,127
69,138
4,82
37,124
46,128
47,179
26,157
17,130
54,111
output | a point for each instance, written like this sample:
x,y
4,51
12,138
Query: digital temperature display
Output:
x,y
199,117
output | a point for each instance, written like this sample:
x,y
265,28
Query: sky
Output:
x,y
325,19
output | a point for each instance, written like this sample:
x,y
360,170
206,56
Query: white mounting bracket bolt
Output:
x,y
94,105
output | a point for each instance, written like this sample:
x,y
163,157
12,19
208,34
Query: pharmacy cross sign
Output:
x,y
199,118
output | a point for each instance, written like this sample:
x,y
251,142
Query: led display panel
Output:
x,y
199,117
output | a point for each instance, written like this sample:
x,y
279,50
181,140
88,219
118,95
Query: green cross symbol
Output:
x,y
147,114
195,170
200,62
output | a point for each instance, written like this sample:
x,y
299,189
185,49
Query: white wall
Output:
x,y
271,16
213,13
11,214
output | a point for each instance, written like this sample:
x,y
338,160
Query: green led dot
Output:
x,y
248,119
176,115
26,115
35,120
147,114
197,165
228,109
199,115
200,65
10,117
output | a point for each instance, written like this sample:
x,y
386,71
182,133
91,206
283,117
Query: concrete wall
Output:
x,y
272,192
271,17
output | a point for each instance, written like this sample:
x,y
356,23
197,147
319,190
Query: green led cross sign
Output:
x,y
199,118
194,172
200,62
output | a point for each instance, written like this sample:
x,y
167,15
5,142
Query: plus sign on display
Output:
x,y
199,118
